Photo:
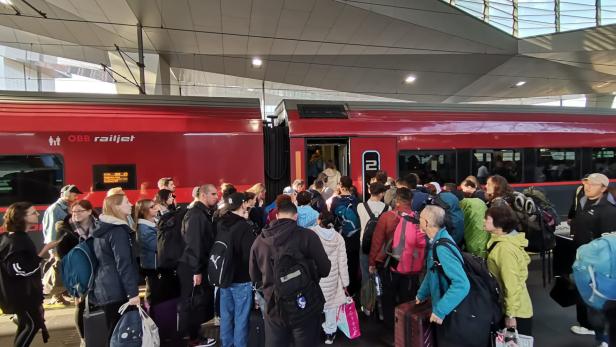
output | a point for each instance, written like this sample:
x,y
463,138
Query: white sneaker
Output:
x,y
578,330
603,344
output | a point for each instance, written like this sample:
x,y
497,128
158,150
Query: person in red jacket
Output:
x,y
397,287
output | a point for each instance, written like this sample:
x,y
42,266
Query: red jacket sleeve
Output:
x,y
383,231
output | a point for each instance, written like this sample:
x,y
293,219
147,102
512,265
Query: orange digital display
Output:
x,y
115,177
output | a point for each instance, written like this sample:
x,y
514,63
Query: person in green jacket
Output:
x,y
508,262
475,236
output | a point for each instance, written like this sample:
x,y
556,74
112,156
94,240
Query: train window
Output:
x,y
322,111
555,165
108,176
33,178
439,166
504,162
604,161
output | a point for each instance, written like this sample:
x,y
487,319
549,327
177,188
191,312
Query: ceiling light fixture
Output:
x,y
410,79
6,2
521,83
257,62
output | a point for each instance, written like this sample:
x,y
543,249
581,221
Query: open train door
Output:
x,y
368,155
276,160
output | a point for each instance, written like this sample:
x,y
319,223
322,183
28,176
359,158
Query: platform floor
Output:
x,y
550,324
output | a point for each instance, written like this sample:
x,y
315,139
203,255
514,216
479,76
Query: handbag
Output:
x,y
347,319
94,326
149,330
520,340
128,332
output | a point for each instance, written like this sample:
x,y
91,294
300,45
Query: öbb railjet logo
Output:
x,y
56,141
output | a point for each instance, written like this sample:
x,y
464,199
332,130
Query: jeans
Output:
x,y
235,303
330,325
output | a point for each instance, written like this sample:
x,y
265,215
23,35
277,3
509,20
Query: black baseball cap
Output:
x,y
235,201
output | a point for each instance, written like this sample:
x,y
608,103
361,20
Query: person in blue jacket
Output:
x,y
432,222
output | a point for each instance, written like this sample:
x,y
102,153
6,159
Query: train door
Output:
x,y
368,155
321,151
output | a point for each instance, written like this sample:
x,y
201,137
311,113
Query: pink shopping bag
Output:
x,y
347,319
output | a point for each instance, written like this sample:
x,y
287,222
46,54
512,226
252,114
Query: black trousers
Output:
x,y
306,334
28,327
112,316
191,316
397,289
352,246
525,326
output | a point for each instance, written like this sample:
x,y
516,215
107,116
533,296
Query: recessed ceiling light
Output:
x,y
257,62
410,79
521,83
6,2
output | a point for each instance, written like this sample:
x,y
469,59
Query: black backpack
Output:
x,y
366,241
472,321
170,244
538,219
317,202
297,295
220,264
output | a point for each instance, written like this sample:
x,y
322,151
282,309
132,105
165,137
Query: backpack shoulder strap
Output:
x,y
367,207
385,209
449,244
492,247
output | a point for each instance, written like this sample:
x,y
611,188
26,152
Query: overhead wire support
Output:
x,y
134,82
109,69
41,13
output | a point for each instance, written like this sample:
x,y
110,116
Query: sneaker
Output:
x,y
329,338
203,342
603,344
578,330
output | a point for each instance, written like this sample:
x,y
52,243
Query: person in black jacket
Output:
x,y
594,214
21,289
235,301
198,234
116,279
284,232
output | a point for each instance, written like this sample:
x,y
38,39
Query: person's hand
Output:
x,y
372,269
197,280
510,322
135,301
418,301
435,319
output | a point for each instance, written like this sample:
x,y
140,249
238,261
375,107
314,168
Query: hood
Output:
x,y
146,223
331,172
107,223
514,237
279,232
229,219
325,234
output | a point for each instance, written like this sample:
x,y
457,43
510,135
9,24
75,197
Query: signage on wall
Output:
x,y
371,163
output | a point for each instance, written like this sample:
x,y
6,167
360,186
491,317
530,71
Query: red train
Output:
x,y
98,142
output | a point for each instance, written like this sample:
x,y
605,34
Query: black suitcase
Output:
x,y
94,326
256,329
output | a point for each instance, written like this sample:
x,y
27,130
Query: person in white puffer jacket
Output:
x,y
334,285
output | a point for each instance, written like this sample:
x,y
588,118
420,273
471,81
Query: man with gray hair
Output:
x,y
448,293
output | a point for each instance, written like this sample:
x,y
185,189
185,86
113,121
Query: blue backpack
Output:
x,y
77,268
594,271
347,220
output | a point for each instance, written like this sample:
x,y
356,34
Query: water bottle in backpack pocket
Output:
x,y
406,250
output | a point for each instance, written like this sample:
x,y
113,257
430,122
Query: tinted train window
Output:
x,y
114,175
33,178
504,162
439,166
604,161
555,165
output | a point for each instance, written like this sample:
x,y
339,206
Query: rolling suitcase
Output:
x,y
164,315
94,326
412,325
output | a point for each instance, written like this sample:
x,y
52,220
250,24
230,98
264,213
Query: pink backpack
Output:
x,y
408,246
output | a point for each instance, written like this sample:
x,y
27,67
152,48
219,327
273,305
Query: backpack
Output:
x,y
406,250
317,202
297,295
78,267
366,241
454,216
347,221
220,264
594,271
170,244
472,321
538,219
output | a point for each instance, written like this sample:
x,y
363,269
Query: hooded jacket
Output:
x,y
20,275
475,236
198,232
54,213
333,178
283,233
455,214
338,278
146,234
242,240
592,219
508,262
116,278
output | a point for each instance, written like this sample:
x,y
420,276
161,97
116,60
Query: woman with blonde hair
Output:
x,y
257,213
116,279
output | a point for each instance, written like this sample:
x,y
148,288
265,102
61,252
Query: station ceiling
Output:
x,y
365,47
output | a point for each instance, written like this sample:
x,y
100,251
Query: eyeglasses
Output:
x,y
79,211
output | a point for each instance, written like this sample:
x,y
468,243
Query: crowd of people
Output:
x,y
321,240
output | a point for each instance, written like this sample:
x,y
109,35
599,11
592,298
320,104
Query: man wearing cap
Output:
x,y
594,214
56,212
236,300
